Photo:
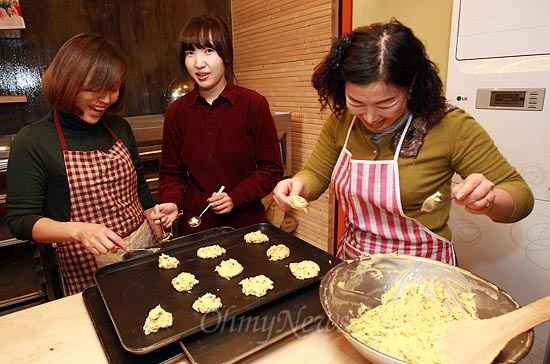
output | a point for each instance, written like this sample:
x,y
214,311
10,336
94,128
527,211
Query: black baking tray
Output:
x,y
242,336
187,239
130,289
106,333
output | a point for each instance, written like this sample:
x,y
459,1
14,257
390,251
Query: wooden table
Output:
x,y
61,331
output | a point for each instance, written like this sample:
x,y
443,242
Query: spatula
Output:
x,y
480,341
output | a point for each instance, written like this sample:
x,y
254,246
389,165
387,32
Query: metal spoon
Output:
x,y
167,235
148,250
432,202
196,220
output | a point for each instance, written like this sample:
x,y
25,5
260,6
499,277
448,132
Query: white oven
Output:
x,y
499,71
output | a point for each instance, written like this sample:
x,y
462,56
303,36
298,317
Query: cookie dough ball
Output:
x,y
168,262
430,203
157,319
229,268
210,252
256,237
184,282
278,252
256,286
206,303
305,269
297,202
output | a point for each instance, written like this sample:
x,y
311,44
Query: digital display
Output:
x,y
507,98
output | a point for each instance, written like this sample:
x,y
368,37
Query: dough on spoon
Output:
x,y
297,202
431,202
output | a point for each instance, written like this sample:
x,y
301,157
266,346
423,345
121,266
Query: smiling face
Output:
x,y
207,69
92,104
377,104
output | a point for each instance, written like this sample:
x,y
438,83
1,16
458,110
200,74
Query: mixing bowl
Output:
x,y
364,280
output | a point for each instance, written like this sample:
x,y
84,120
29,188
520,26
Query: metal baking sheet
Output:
x,y
236,339
130,289
242,336
114,351
187,239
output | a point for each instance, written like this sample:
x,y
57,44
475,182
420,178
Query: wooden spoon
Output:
x,y
480,341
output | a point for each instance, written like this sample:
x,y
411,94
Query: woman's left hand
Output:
x,y
479,196
475,192
222,203
163,214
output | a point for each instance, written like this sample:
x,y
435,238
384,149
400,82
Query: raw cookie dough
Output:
x,y
278,252
206,303
431,202
210,252
297,202
184,282
305,269
168,262
257,286
157,319
256,237
229,268
402,326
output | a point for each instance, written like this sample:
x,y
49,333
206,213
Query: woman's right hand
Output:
x,y
290,186
99,239
96,238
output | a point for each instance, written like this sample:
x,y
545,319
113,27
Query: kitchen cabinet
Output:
x,y
27,269
26,277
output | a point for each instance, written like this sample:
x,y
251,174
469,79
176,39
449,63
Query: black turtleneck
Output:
x,y
37,179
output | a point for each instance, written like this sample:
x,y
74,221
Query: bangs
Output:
x,y
105,76
200,40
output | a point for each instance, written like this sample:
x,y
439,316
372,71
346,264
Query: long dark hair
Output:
x,y
388,52
206,31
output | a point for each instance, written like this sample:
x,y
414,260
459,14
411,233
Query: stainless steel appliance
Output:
x,y
148,133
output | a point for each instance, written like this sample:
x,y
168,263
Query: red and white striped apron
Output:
x,y
370,196
103,190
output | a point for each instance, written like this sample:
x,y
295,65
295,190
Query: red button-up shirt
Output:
x,y
232,142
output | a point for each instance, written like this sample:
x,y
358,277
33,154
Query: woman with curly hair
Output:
x,y
391,142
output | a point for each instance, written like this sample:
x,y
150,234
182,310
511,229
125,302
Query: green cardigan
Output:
x,y
37,183
458,143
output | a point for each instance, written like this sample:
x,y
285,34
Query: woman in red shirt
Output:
x,y
219,134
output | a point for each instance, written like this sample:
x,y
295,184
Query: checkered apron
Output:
x,y
369,193
103,190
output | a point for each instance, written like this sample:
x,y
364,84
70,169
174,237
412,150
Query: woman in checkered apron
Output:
x,y
75,177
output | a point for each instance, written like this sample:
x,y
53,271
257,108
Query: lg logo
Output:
x,y
461,98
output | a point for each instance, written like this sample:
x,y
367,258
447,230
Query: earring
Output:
x,y
410,96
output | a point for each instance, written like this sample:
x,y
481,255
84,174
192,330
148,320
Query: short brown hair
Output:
x,y
88,61
207,31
